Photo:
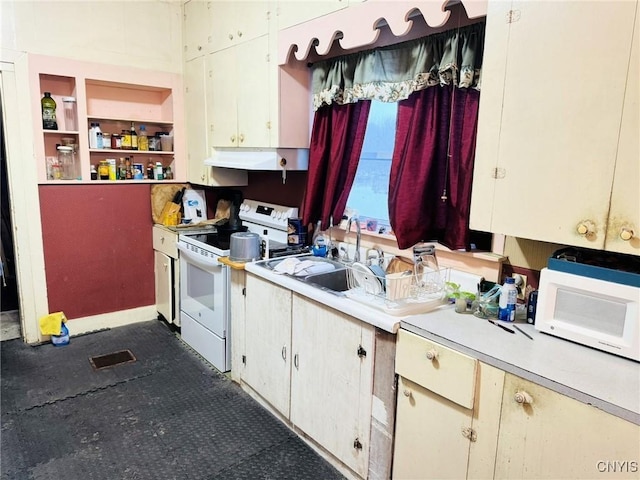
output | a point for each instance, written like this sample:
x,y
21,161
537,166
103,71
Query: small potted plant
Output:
x,y
460,298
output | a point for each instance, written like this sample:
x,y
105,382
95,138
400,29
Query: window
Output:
x,y
368,196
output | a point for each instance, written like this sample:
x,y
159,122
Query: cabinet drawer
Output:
x,y
437,368
165,241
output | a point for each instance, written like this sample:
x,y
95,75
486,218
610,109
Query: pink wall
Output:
x,y
98,247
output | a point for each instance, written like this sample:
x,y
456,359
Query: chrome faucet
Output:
x,y
356,256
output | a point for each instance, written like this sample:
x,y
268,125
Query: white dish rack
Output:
x,y
397,294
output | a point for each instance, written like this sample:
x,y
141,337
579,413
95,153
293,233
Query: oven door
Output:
x,y
204,291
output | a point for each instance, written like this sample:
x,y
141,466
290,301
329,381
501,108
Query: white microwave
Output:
x,y
593,312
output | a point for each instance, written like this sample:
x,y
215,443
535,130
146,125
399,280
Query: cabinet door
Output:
x,y
222,114
197,28
625,198
293,12
550,120
554,436
234,23
331,385
238,282
195,119
428,442
254,93
164,285
268,341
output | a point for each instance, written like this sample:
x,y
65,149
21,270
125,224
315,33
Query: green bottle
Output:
x,y
48,112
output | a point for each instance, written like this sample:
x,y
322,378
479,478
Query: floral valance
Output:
x,y
392,73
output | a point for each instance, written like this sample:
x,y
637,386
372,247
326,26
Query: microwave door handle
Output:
x,y
201,262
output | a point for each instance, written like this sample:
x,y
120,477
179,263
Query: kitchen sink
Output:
x,y
335,281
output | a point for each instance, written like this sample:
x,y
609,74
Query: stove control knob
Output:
x,y
278,215
273,214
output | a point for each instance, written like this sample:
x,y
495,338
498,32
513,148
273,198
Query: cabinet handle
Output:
x,y
284,353
239,33
523,398
626,234
166,267
295,361
231,36
202,177
407,392
432,354
233,139
199,47
241,138
586,228
161,239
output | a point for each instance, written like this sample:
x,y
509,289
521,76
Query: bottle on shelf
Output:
x,y
168,174
129,171
94,173
159,171
70,118
103,170
48,112
99,141
122,170
151,169
125,140
93,135
134,137
508,299
143,139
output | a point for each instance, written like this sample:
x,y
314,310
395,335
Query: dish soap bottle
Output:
x,y
48,112
507,302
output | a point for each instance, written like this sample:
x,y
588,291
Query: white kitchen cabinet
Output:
x,y
196,119
294,12
196,38
267,367
195,98
237,296
332,380
544,434
167,271
624,217
448,412
238,95
550,149
234,23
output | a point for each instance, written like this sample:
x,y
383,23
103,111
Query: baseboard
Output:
x,y
79,326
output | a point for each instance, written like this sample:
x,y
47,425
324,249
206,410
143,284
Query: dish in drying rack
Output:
x,y
364,277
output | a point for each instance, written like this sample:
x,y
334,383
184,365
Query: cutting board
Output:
x,y
160,195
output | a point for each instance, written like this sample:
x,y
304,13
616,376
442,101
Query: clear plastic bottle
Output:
x,y
143,140
48,105
508,299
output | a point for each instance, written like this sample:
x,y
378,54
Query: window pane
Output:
x,y
368,196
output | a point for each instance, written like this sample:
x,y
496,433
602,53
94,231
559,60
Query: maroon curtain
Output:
x,y
336,143
430,196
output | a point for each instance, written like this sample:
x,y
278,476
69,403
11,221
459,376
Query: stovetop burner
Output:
x,y
220,242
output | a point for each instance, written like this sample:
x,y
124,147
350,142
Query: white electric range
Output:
x,y
205,282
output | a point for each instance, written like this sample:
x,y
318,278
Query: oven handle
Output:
x,y
202,262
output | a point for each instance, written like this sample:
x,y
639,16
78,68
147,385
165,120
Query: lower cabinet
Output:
x,y
315,366
460,418
267,367
332,379
448,412
166,269
544,434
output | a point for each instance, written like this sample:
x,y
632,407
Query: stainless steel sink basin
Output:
x,y
334,281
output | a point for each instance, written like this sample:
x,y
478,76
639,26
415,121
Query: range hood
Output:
x,y
260,158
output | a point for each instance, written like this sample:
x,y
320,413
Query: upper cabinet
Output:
x,y
293,12
251,101
116,98
557,150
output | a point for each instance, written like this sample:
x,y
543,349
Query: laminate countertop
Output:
x,y
606,381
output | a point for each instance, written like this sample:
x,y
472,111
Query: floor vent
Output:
x,y
112,359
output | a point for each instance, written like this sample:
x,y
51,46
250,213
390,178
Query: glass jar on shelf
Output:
x,y
68,163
